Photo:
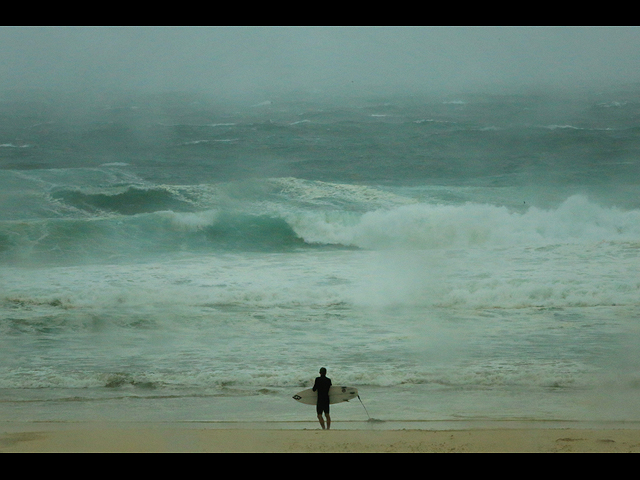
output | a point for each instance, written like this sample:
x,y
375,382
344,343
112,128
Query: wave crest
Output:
x,y
426,226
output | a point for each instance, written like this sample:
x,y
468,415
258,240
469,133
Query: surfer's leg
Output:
x,y
321,420
328,421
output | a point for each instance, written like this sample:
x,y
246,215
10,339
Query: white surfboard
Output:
x,y
336,395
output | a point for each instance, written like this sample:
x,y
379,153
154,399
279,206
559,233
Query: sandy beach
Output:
x,y
64,437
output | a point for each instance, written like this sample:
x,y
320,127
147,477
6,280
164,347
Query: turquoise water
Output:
x,y
171,258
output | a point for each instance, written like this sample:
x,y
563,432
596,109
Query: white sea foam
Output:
x,y
115,164
426,226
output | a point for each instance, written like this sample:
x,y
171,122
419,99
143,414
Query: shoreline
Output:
x,y
463,436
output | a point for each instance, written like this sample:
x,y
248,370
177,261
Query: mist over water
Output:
x,y
172,254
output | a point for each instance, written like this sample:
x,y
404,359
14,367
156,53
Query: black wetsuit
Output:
x,y
322,386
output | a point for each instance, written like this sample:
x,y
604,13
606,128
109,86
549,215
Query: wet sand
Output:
x,y
149,437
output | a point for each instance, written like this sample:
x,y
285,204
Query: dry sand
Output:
x,y
187,438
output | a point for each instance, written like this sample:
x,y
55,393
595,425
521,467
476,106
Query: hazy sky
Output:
x,y
230,59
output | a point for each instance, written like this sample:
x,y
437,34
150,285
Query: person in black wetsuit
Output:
x,y
322,385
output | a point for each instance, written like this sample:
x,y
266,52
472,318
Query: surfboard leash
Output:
x,y
365,408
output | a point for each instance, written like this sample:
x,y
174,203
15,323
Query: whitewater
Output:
x,y
453,258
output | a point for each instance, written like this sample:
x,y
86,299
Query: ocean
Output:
x,y
177,257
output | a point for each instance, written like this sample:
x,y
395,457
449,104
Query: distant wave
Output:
x,y
286,213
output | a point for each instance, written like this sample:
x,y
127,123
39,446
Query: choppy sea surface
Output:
x,y
171,257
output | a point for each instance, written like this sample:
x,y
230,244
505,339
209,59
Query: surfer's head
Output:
x,y
323,371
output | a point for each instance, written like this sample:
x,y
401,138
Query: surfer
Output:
x,y
322,386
